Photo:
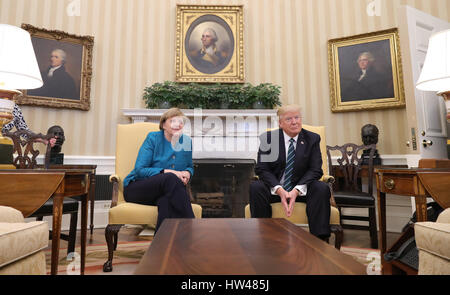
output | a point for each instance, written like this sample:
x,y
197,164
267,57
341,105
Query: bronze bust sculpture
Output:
x,y
56,157
369,135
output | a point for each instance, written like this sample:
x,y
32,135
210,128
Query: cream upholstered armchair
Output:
x,y
128,142
299,215
22,244
433,240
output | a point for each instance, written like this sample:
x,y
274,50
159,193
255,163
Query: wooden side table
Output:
x,y
28,189
91,188
419,183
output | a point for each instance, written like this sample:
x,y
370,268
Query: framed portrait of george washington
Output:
x,y
65,62
210,44
365,72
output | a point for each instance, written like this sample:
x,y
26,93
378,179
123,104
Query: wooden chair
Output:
x,y
23,141
128,142
352,196
299,215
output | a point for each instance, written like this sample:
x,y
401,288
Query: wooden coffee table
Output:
x,y
237,246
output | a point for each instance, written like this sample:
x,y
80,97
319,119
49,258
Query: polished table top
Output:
x,y
237,246
28,189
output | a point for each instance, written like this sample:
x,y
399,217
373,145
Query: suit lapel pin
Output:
x,y
302,142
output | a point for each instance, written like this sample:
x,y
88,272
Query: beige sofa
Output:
x,y
433,242
21,244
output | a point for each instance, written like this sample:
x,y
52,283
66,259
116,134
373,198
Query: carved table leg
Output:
x,y
56,231
92,199
338,235
111,232
84,217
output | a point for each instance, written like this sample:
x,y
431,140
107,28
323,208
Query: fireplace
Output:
x,y
224,147
221,186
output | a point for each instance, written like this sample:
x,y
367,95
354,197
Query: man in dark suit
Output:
x,y
57,82
289,168
367,82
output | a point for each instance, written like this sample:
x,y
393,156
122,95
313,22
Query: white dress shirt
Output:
x,y
302,189
50,72
362,75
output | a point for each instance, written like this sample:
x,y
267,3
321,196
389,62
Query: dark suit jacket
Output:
x,y
206,66
61,85
373,85
308,158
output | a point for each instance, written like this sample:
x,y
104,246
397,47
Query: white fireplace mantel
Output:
x,y
143,115
218,133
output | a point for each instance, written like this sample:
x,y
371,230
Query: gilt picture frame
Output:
x,y
210,44
65,62
365,72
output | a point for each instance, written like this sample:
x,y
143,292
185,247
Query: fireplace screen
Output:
x,y
221,186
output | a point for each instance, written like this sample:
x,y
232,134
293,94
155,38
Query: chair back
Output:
x,y
128,142
26,155
323,144
350,159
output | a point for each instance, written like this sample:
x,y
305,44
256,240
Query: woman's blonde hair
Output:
x,y
170,113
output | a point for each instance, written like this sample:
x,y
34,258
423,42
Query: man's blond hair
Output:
x,y
289,108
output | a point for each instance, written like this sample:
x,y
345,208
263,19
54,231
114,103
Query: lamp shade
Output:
x,y
435,75
18,65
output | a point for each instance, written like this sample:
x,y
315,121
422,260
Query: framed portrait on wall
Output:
x,y
209,44
365,72
65,62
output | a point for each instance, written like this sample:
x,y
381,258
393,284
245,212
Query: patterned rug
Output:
x,y
126,258
128,255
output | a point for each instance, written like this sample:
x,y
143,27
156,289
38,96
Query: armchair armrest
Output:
x,y
10,215
115,179
444,217
328,179
332,201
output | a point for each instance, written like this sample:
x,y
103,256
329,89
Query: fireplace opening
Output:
x,y
221,186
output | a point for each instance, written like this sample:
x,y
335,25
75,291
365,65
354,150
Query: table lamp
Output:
x,y
18,70
435,75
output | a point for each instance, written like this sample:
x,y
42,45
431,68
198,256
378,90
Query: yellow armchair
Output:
x,y
299,214
128,142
